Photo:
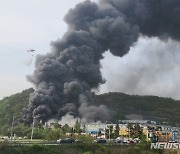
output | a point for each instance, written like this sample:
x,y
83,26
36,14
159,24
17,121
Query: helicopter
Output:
x,y
30,50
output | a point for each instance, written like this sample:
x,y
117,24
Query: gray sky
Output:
x,y
27,24
150,68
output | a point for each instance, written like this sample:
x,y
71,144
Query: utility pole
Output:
x,y
12,126
32,130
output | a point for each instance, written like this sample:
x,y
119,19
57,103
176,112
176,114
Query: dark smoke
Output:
x,y
64,77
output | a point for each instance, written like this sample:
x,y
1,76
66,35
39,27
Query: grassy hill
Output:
x,y
162,109
152,107
13,105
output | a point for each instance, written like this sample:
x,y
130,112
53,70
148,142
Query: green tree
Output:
x,y
66,129
77,126
21,130
137,131
52,134
38,134
5,130
109,132
130,129
116,132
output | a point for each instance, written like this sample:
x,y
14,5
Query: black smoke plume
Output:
x,y
65,77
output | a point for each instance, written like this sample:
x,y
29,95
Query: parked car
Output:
x,y
173,142
131,141
66,140
25,137
79,141
100,140
136,140
20,138
119,140
5,137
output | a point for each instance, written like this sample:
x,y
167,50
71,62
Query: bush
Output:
x,y
3,145
137,150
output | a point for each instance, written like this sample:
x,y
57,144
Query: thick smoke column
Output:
x,y
64,77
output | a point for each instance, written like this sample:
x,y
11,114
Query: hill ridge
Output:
x,y
121,105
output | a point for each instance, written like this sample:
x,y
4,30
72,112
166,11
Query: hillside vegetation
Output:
x,y
164,109
12,106
159,108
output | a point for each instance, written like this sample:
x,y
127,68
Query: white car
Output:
x,y
59,140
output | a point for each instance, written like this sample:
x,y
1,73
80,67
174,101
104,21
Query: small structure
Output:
x,y
95,128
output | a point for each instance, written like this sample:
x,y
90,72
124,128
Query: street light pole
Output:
x,y
109,133
12,128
